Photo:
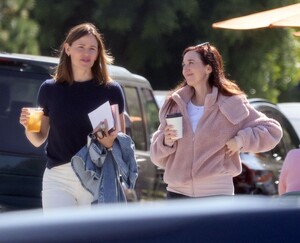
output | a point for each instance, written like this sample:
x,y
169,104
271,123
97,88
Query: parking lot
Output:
x,y
22,165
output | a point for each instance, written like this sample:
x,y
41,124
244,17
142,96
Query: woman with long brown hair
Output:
x,y
80,84
218,123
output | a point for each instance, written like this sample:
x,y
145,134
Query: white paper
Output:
x,y
100,114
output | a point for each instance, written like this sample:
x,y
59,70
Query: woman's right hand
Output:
x,y
36,138
170,135
24,117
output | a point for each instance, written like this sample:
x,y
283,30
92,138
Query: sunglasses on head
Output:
x,y
202,44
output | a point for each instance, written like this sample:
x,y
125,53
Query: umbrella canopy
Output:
x,y
297,33
288,16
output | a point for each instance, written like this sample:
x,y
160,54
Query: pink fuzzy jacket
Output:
x,y
289,180
197,165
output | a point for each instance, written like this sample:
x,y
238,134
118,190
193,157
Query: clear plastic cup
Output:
x,y
35,119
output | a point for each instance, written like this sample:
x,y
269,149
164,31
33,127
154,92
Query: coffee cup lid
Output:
x,y
172,115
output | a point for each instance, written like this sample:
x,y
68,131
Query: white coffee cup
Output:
x,y
175,119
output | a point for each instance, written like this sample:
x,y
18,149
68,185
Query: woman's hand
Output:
x,y
24,117
103,136
36,138
232,147
170,135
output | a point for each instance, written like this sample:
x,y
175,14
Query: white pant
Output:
x,y
62,188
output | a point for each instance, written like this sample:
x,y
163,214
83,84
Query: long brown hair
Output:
x,y
211,56
63,71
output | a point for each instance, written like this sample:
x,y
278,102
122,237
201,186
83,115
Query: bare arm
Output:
x,y
122,122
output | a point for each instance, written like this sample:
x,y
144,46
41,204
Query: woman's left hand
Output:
x,y
232,147
104,137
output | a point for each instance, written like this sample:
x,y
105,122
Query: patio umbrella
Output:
x,y
288,16
297,33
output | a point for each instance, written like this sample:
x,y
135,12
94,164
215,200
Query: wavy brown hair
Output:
x,y
63,71
211,56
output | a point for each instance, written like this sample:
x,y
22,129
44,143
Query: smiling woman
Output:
x,y
84,53
80,84
79,39
218,123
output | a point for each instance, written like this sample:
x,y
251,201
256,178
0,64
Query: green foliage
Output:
x,y
56,17
148,37
18,33
263,69
264,61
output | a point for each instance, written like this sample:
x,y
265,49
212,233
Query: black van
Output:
x,y
22,164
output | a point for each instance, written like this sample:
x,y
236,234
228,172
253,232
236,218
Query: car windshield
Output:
x,y
17,90
291,110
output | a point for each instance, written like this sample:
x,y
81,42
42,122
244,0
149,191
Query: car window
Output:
x,y
17,90
151,110
134,110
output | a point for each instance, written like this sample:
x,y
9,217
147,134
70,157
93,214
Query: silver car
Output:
x,y
292,111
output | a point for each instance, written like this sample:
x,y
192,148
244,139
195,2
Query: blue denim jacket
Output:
x,y
104,172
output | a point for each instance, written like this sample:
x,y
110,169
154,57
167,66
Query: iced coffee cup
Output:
x,y
35,119
175,119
